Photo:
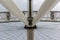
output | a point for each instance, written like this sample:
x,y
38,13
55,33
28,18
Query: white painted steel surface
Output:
x,y
45,8
9,4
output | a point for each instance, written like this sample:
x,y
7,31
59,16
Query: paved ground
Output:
x,y
44,31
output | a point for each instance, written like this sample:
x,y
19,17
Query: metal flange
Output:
x,y
34,27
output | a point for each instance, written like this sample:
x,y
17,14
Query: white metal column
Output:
x,y
10,5
30,34
45,8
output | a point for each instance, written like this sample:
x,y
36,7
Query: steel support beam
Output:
x,y
10,5
30,28
45,8
30,34
30,18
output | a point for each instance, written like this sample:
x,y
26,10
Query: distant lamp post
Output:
x,y
8,15
52,15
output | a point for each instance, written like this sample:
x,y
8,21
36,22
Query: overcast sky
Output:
x,y
22,4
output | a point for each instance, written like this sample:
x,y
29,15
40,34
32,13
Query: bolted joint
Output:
x,y
30,19
30,0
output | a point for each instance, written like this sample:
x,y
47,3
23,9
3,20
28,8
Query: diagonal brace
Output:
x,y
10,5
45,8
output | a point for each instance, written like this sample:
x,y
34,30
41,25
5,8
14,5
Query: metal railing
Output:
x,y
52,16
